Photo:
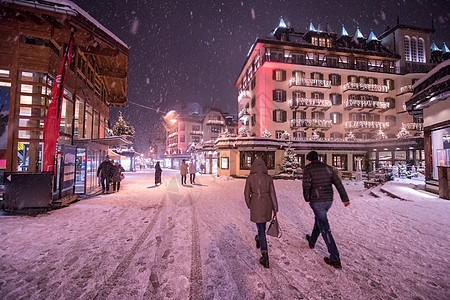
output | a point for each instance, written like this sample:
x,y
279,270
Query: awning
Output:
x,y
111,141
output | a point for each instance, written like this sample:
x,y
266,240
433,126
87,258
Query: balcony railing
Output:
x,y
215,122
309,102
196,132
244,112
414,126
316,123
173,134
367,87
370,104
406,89
366,124
310,82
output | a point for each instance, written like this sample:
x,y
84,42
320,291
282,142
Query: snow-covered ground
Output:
x,y
196,242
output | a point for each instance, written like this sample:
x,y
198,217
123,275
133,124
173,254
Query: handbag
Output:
x,y
122,176
274,228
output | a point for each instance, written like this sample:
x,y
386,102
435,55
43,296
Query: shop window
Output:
x,y
248,157
339,161
357,158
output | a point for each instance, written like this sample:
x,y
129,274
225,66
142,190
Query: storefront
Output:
x,y
440,149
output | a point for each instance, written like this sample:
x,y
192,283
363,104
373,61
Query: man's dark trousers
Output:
x,y
321,226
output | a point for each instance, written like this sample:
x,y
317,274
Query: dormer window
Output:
x,y
315,41
322,42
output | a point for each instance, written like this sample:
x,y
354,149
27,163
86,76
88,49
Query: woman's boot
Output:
x,y
264,260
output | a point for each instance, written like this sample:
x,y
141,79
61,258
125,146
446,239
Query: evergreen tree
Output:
x,y
122,127
289,163
403,133
380,135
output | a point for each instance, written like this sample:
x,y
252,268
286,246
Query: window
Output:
x,y
322,42
372,80
253,83
329,44
407,48
215,129
299,114
340,161
182,127
336,135
298,58
195,127
390,84
253,102
335,79
336,118
414,49
279,75
196,139
353,117
336,99
420,51
315,41
182,139
299,134
317,76
316,95
279,95
224,163
278,134
298,75
247,158
317,115
298,95
353,79
253,119
391,120
391,101
279,116
363,117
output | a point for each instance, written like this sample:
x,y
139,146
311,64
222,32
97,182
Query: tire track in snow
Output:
x,y
106,289
196,279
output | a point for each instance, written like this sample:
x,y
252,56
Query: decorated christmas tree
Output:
x,y
380,135
314,136
289,163
285,135
350,137
122,127
243,131
403,133
266,133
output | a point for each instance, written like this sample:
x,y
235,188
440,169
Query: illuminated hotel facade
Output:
x,y
343,96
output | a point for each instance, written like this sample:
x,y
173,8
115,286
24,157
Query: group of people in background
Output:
x,y
109,172
185,169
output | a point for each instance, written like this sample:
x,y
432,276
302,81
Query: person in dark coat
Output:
x,y
318,179
261,199
183,172
105,171
158,172
117,176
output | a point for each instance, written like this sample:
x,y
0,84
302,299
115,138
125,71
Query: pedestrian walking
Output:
x,y
192,172
318,179
105,171
158,172
183,172
202,168
261,199
117,176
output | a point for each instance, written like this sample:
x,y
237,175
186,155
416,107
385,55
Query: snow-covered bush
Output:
x,y
266,133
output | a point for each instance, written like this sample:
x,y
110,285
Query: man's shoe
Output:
x,y
257,241
334,263
308,238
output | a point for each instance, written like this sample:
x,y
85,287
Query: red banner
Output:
x,y
53,117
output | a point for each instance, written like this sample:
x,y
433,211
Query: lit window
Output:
x,y
279,75
407,48
414,49
420,51
315,41
322,42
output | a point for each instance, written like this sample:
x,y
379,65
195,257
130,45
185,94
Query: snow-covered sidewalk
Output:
x,y
193,242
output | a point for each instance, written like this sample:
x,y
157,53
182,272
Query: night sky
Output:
x,y
192,51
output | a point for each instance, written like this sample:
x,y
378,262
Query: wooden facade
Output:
x,y
31,52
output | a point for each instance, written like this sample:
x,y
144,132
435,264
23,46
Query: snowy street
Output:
x,y
196,242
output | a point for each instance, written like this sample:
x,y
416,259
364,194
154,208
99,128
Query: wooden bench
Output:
x,y
346,174
368,184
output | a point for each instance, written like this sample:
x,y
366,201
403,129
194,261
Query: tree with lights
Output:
x,y
380,135
289,163
266,133
122,127
350,137
403,133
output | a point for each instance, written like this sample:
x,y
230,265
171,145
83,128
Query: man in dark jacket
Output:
x,y
318,179
105,171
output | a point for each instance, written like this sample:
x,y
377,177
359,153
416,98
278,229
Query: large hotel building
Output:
x,y
341,95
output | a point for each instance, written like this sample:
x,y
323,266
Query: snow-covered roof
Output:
x,y
372,37
282,24
358,33
311,27
65,7
445,48
344,32
432,72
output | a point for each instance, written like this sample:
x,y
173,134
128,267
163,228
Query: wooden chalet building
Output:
x,y
34,35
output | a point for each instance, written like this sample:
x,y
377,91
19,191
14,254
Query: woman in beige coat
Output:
x,y
261,199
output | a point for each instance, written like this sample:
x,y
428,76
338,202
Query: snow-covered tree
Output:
x,y
380,135
285,135
403,133
266,133
243,131
350,137
314,136
225,133
289,163
122,127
